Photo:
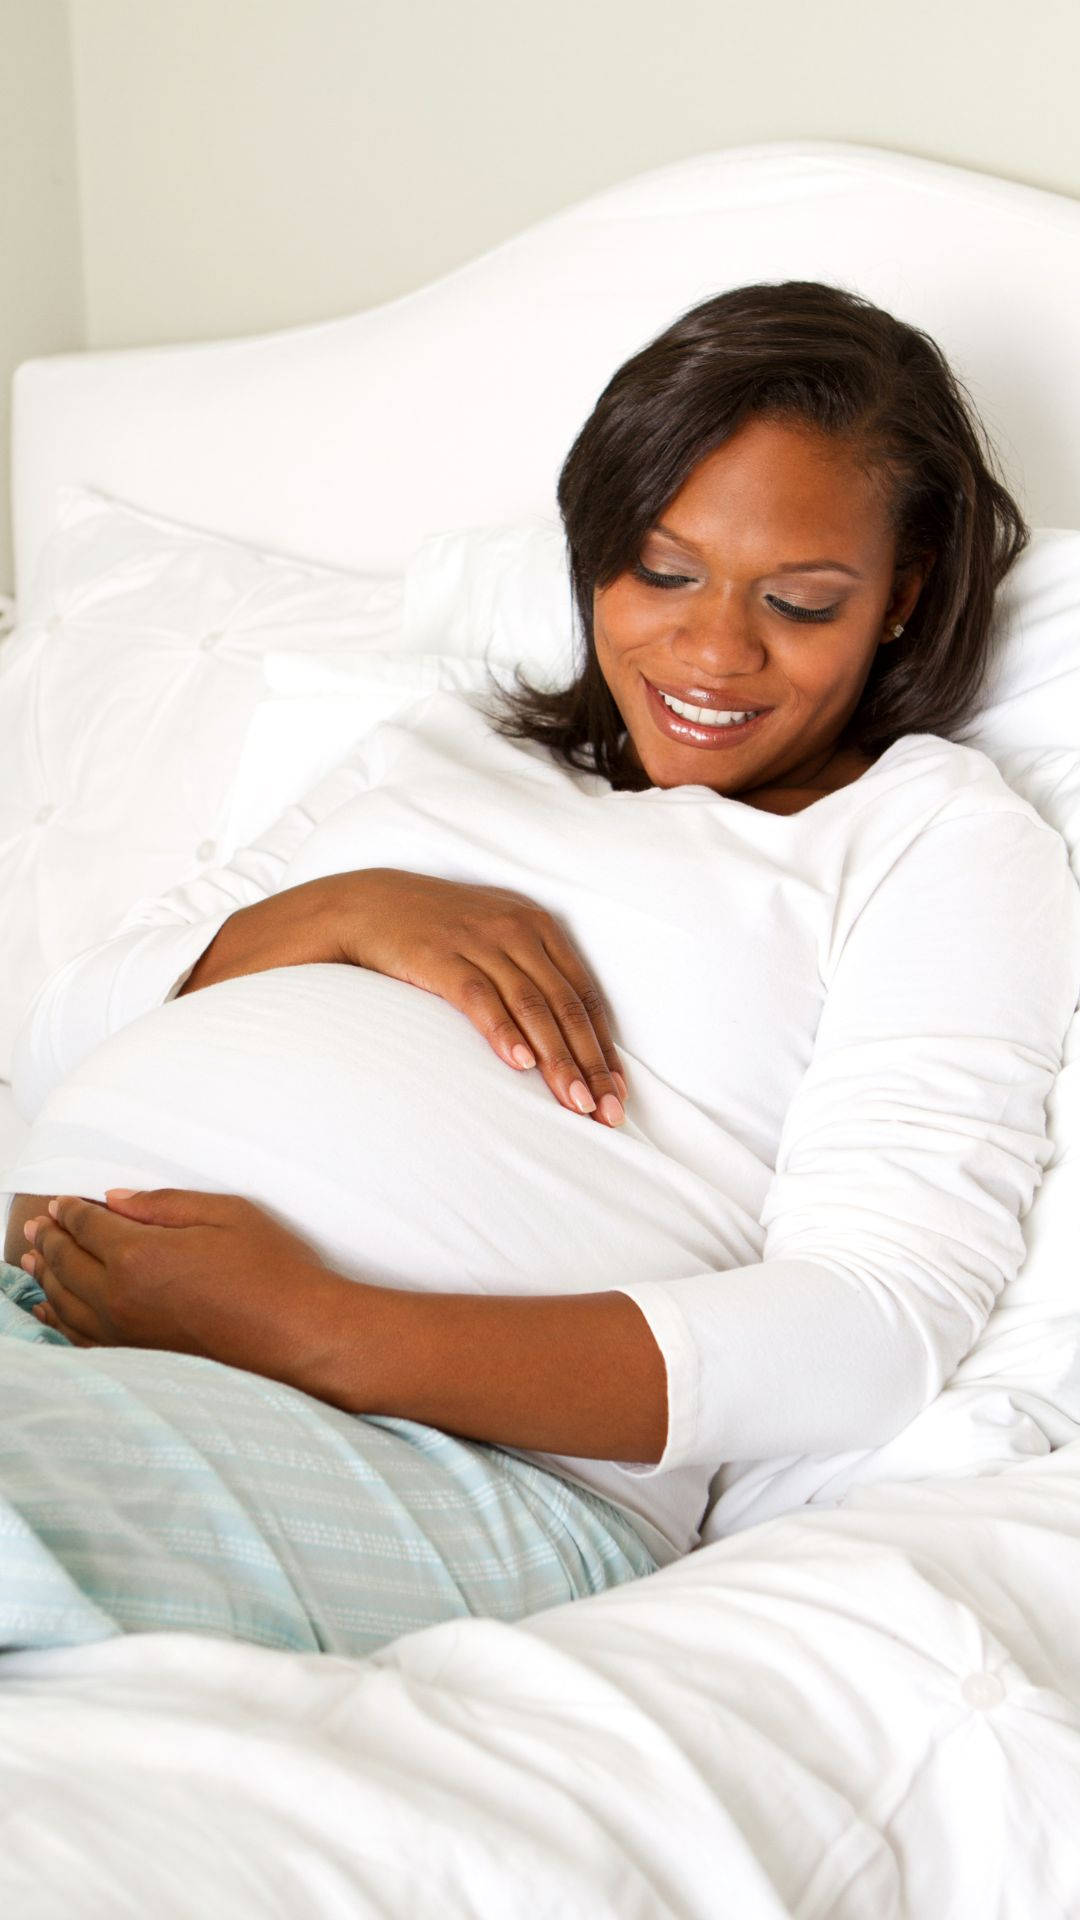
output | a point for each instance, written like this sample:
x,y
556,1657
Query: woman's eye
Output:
x,y
785,607
799,613
661,579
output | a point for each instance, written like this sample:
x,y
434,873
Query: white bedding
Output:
x,y
13,1131
866,1714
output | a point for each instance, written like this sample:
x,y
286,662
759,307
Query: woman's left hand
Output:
x,y
203,1273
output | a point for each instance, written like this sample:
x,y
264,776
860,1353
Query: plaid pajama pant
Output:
x,y
145,1491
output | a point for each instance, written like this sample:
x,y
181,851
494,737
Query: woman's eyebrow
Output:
x,y
817,566
790,566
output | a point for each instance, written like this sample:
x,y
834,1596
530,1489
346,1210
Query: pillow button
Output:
x,y
982,1690
209,640
43,814
204,850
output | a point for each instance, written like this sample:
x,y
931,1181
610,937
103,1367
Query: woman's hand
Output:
x,y
203,1273
504,962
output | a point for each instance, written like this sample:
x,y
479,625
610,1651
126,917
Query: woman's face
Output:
x,y
779,523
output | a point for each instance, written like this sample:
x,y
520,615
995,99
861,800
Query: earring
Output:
x,y
897,631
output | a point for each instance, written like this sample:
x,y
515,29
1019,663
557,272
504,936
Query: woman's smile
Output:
x,y
695,733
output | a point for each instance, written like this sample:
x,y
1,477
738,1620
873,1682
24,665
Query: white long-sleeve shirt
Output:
x,y
840,1028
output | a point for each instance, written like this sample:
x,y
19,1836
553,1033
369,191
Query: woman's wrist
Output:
x,y
348,1347
295,927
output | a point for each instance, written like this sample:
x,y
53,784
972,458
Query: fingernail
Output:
x,y
621,1084
581,1097
30,1230
54,1208
610,1111
523,1057
119,1193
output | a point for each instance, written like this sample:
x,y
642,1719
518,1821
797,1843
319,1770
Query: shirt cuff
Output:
x,y
672,1334
95,993
160,960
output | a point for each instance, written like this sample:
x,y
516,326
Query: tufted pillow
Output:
x,y
125,695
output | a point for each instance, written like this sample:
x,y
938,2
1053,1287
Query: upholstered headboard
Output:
x,y
349,442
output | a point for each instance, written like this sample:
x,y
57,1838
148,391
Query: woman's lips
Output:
x,y
690,733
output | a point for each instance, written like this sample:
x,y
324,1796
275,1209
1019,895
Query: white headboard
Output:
x,y
349,442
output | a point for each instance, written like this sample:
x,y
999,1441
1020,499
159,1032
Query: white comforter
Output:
x,y
871,1713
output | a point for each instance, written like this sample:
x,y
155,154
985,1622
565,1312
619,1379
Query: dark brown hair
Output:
x,y
803,352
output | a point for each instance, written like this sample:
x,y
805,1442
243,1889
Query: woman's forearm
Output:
x,y
289,929
578,1374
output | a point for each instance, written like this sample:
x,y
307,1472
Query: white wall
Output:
x,y
41,280
250,164
245,165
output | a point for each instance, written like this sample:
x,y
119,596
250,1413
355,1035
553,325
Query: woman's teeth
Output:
x,y
705,716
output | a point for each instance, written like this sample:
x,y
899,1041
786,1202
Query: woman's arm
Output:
x,y
213,1274
579,1374
908,1158
289,929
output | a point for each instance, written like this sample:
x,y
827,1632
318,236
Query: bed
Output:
x,y
860,1696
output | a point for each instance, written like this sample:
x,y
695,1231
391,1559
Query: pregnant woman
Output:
x,y
569,1103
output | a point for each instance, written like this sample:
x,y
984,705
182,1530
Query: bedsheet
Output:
x,y
867,1713
13,1131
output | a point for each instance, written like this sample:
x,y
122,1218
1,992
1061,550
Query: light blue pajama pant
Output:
x,y
145,1491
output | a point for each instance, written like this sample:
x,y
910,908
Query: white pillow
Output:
x,y
314,709
495,592
1017,1392
125,694
1032,693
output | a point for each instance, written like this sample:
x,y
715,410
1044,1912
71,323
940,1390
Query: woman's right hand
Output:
x,y
503,961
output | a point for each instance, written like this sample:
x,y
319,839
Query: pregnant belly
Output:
x,y
372,1118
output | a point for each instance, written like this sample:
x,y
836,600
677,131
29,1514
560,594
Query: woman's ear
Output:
x,y
907,589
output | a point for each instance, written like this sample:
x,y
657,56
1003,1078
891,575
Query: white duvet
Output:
x,y
871,1713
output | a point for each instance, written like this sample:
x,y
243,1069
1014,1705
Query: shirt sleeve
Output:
x,y
156,945
908,1157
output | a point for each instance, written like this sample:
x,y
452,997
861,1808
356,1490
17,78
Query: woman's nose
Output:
x,y
717,636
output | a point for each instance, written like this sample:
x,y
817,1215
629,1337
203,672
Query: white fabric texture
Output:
x,y
503,590
13,1130
869,1714
314,708
839,1055
1031,698
125,693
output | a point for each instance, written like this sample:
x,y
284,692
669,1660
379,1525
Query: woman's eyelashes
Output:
x,y
661,579
800,613
781,606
